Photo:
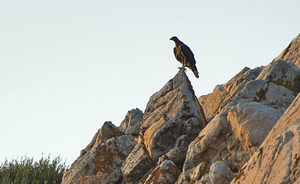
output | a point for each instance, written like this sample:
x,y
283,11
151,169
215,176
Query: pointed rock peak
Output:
x,y
292,52
171,112
109,130
131,123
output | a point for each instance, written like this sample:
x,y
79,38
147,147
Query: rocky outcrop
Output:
x,y
137,164
172,113
172,119
214,102
278,159
131,123
166,173
248,107
292,52
246,131
101,160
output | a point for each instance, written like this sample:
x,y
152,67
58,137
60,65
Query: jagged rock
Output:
x,y
214,102
131,123
242,124
165,173
278,159
170,113
251,122
178,153
194,175
137,164
102,160
283,73
107,131
253,134
292,52
219,173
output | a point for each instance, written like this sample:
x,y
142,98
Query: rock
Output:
x,y
131,123
203,149
137,164
165,173
107,131
101,163
214,102
251,122
219,173
237,129
178,153
170,113
253,134
283,73
292,52
277,160
195,174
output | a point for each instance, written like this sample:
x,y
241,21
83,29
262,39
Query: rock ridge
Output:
x,y
246,131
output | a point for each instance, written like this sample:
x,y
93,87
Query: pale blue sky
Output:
x,y
68,66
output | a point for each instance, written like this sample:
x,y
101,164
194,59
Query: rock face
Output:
x,y
246,131
278,159
292,52
171,113
131,123
101,160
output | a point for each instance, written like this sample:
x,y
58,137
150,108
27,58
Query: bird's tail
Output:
x,y
195,71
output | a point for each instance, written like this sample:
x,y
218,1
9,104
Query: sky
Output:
x,y
67,66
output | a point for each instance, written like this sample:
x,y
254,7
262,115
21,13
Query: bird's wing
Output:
x,y
177,55
187,53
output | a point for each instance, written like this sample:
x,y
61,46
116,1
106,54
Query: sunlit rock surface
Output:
x,y
246,131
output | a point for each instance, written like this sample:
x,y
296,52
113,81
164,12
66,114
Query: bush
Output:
x,y
26,171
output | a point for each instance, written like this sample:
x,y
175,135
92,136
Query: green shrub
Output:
x,y
26,171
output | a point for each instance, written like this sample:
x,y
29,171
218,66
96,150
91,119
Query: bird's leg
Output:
x,y
183,67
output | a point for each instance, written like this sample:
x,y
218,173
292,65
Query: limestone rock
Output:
x,y
195,175
252,122
237,129
253,134
219,173
292,52
137,164
283,73
165,173
107,131
278,159
101,163
170,113
131,123
214,102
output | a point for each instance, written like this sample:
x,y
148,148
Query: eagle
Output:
x,y
184,55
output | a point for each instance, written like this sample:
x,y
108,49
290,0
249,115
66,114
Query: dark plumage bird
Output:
x,y
184,55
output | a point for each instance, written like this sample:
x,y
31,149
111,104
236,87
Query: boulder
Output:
x,y
214,102
283,73
277,160
101,163
137,164
219,173
165,173
131,123
107,131
170,113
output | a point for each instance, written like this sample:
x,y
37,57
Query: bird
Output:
x,y
185,56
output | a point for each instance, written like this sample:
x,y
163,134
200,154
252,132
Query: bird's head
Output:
x,y
174,38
